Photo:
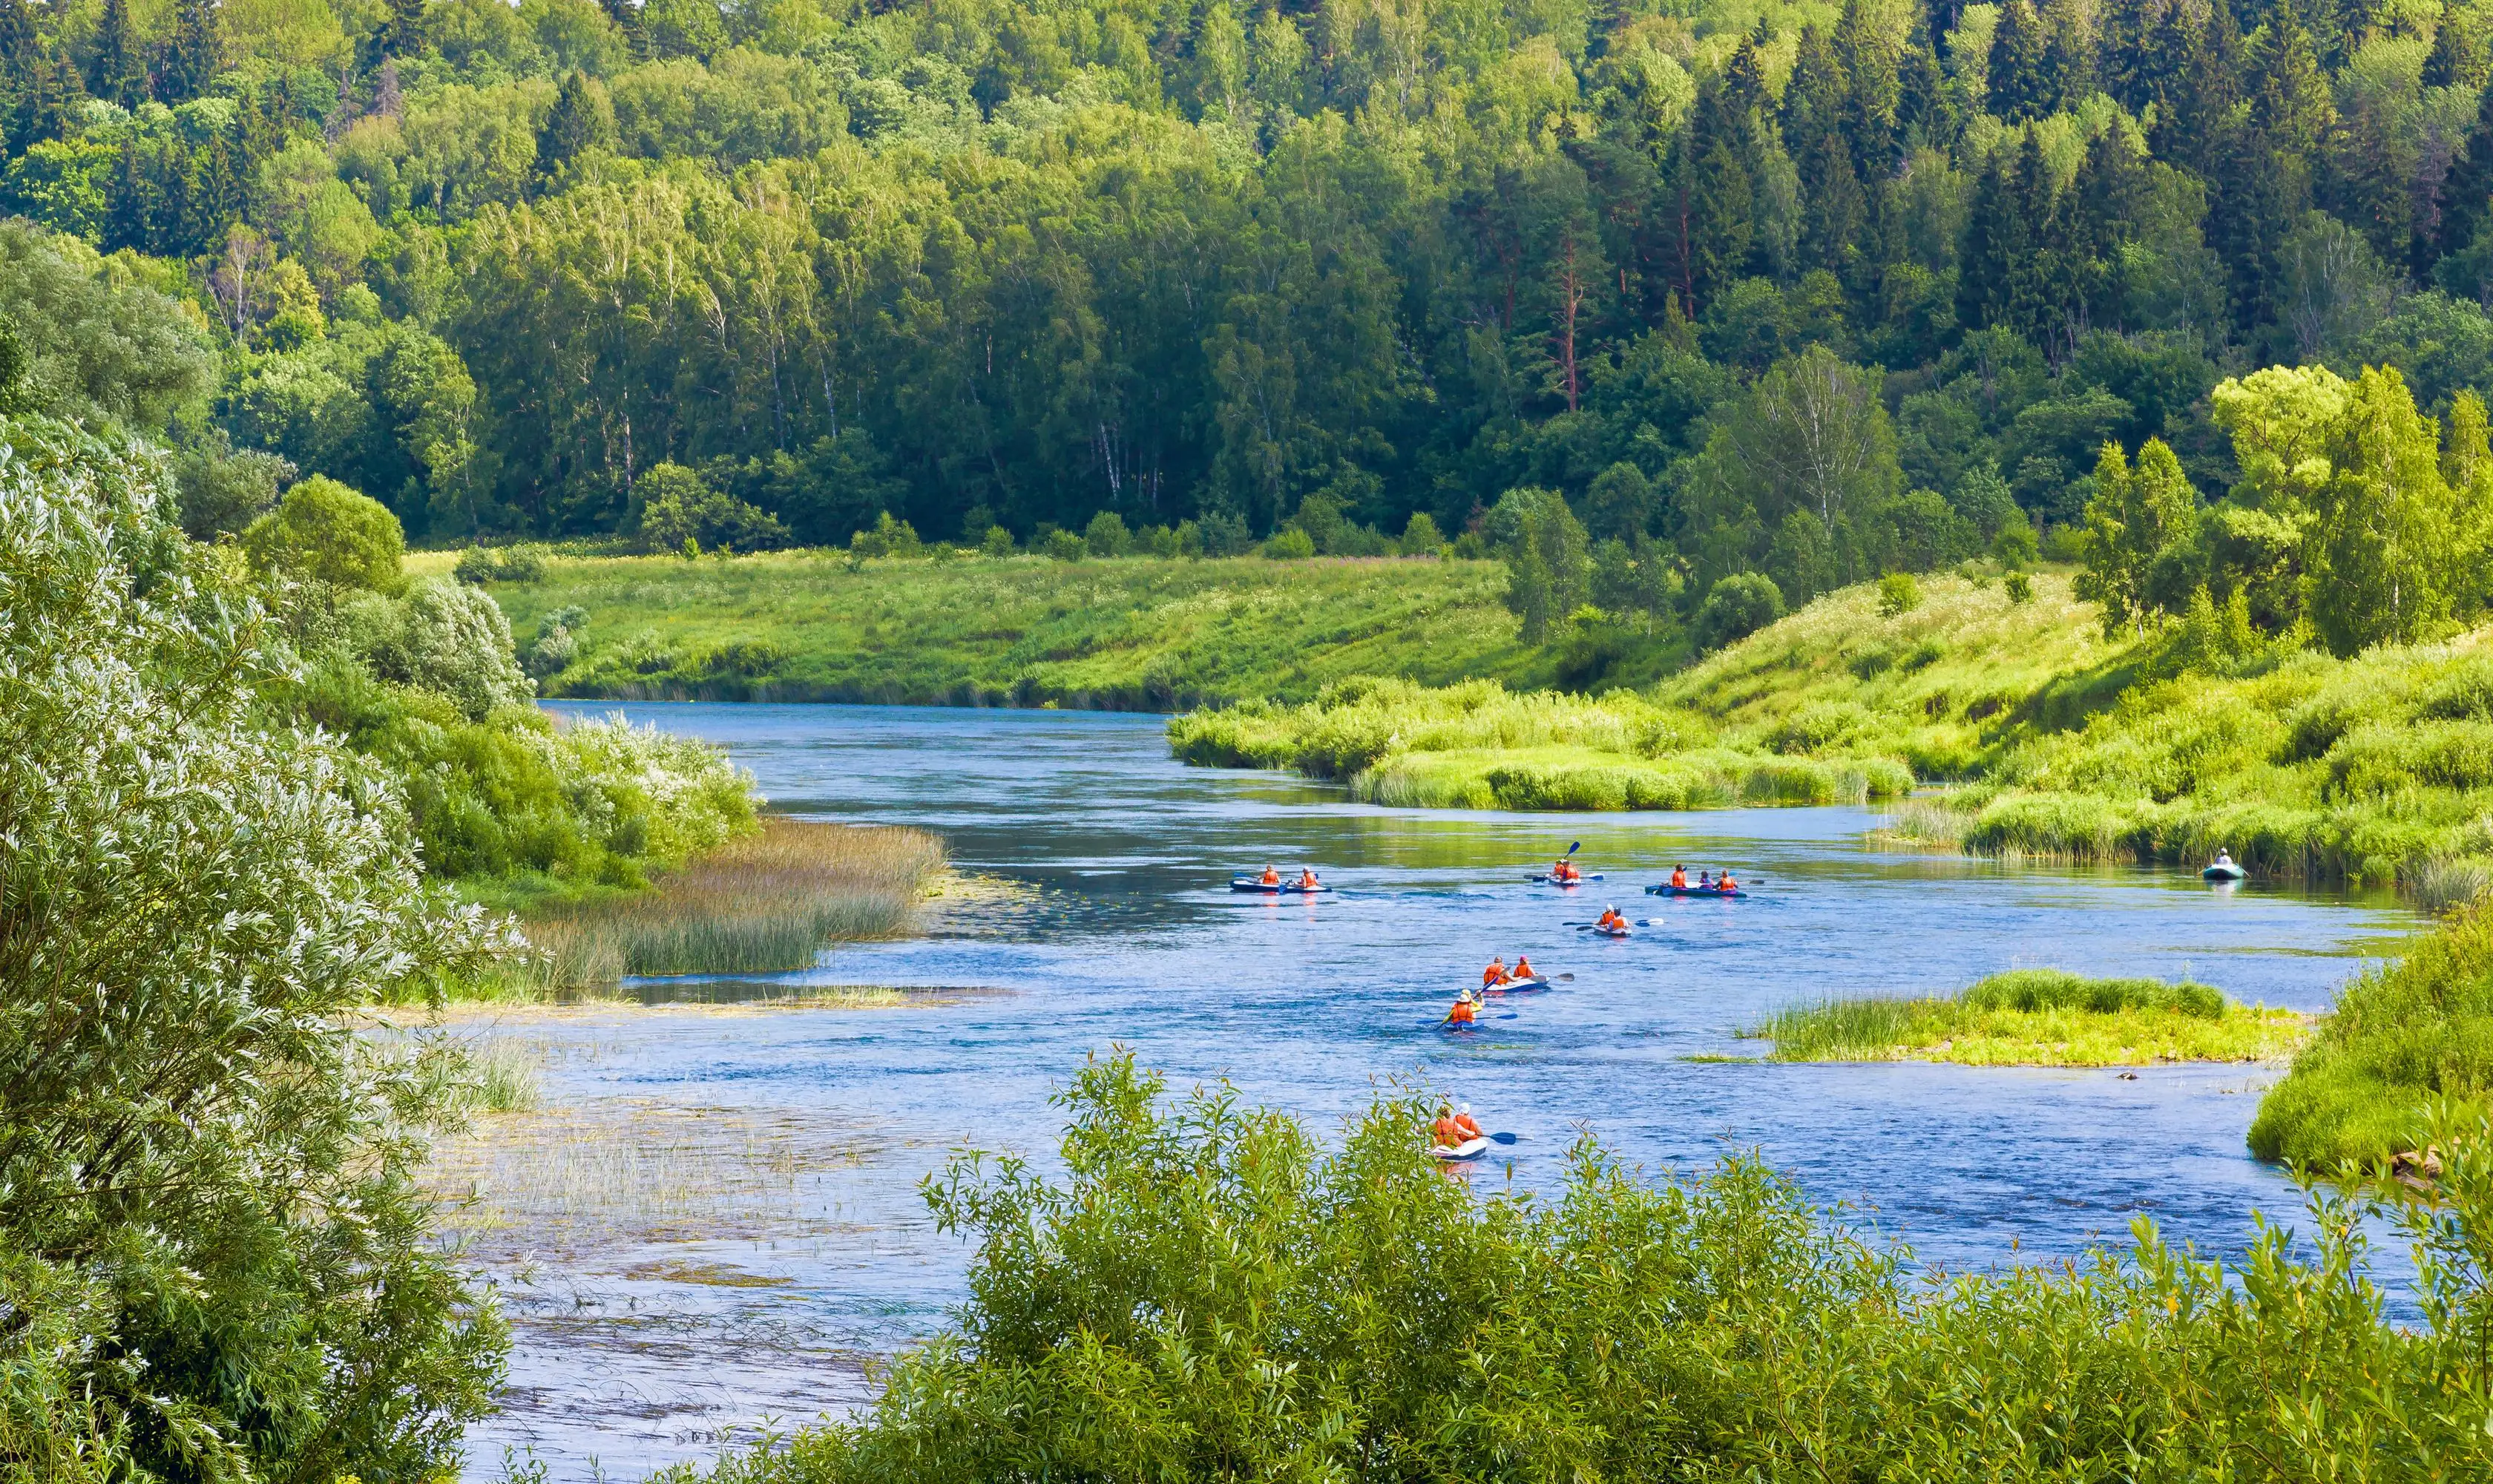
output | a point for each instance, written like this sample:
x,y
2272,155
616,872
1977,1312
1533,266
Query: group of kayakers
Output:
x,y
1706,881
1307,881
1563,872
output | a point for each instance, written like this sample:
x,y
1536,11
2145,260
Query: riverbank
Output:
x,y
1844,701
2039,1018
1127,633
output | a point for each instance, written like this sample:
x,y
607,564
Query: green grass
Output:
x,y
2402,1039
2038,1017
764,904
1130,633
1839,703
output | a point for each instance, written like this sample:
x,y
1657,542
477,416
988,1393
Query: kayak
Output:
x,y
1281,889
1671,890
1533,985
1468,1149
2223,871
1544,879
1611,932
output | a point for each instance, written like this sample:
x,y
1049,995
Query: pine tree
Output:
x,y
581,120
21,51
401,32
1711,201
1923,116
120,73
2251,209
2104,204
2126,66
198,52
2015,78
2067,70
129,208
2196,104
1872,104
626,17
2467,191
1994,238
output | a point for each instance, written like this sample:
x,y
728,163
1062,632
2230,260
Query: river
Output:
x,y
1099,916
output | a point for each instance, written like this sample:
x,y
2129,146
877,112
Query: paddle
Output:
x,y
1501,1138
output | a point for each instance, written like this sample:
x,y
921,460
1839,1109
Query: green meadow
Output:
x,y
1134,633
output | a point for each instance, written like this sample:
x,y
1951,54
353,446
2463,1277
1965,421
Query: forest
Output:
x,y
1809,292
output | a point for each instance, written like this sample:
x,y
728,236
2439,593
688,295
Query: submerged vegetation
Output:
x,y
764,904
2038,1017
1389,1322
2405,1040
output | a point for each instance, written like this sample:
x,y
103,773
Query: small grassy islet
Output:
x,y
2038,1017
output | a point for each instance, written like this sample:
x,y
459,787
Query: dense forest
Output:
x,y
1788,289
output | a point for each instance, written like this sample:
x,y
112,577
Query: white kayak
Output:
x,y
1468,1149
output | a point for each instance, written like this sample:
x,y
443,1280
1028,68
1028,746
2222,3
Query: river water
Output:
x,y
1099,916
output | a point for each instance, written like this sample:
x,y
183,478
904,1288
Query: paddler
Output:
x,y
1464,1128
1465,1006
1308,878
1272,877
1495,974
1447,1131
1523,969
1725,885
1610,921
1561,870
1679,878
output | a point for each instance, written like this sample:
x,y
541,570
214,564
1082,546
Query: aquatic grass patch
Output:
x,y
2401,1039
765,904
2040,1018
1201,1289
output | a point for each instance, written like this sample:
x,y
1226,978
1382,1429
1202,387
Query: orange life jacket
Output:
x,y
1522,967
1494,974
1461,1013
1272,877
1679,879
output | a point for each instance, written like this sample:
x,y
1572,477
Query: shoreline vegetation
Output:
x,y
2038,1017
767,902
1392,1321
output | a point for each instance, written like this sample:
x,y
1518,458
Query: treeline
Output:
x,y
1788,289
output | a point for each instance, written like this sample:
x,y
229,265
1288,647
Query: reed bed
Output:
x,y
765,904
2038,1017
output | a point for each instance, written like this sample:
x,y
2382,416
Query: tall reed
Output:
x,y
764,904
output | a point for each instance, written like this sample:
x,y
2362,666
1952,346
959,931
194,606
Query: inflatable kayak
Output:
x,y
1281,889
1468,1149
1544,879
1533,985
1609,932
1671,890
2223,870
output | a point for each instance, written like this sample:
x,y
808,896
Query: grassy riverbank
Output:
x,y
1839,702
1134,633
2039,1018
2402,1039
765,903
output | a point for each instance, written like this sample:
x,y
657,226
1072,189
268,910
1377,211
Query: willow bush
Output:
x,y
213,1263
1208,1294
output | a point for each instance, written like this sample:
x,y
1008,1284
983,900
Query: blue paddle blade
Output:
x,y
1572,849
1501,1138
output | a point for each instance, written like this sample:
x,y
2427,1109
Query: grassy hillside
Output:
x,y
1128,633
1840,701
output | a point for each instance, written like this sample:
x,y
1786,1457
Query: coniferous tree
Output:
x,y
581,120
2127,67
1873,97
129,209
198,52
401,32
20,49
2067,68
1995,236
1712,200
2014,83
2467,193
120,73
2197,105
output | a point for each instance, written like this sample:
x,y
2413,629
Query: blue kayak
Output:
x,y
1282,888
2226,871
1544,879
1671,890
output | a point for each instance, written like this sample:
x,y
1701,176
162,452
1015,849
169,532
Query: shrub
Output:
x,y
1290,545
327,532
679,509
1209,1291
214,1260
452,640
1064,546
1421,536
2019,587
1106,536
1898,594
482,564
996,543
1736,607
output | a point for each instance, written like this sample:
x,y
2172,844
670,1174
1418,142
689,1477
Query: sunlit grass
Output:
x,y
2038,1017
765,904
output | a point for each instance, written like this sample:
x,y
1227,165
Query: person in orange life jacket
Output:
x,y
1464,1008
1446,1130
1561,870
1272,877
1306,879
1679,877
1494,975
1611,919
1523,969
1464,1124
1725,884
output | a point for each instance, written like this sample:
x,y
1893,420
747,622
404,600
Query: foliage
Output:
x,y
1207,1290
679,508
217,1264
323,532
1737,607
2403,1039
